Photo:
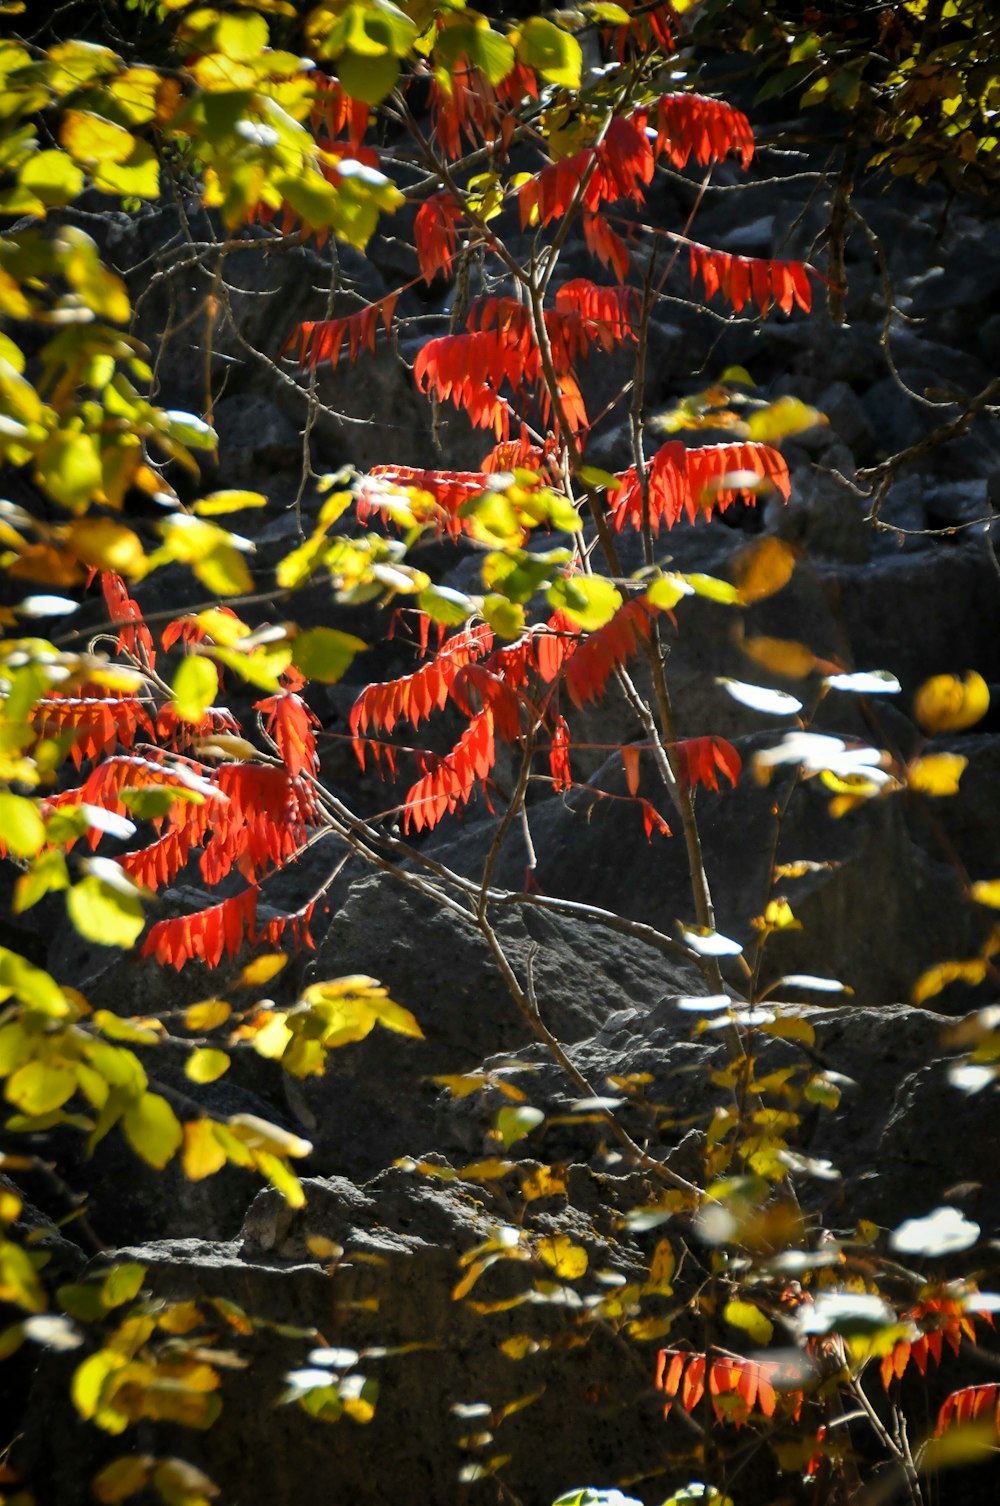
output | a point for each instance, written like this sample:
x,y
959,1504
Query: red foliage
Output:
x,y
736,1386
589,664
188,630
604,243
700,760
942,1320
562,776
289,721
323,339
435,231
745,279
134,638
334,111
686,482
450,781
207,936
97,724
690,125
970,1404
618,167
413,697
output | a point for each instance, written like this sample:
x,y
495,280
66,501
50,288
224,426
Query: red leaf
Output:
x,y
652,820
435,231
292,725
135,637
742,279
595,657
630,758
323,339
207,935
97,724
609,248
559,765
700,760
452,782
685,482
969,1405
617,168
412,697
691,125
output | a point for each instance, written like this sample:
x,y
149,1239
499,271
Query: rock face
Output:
x,y
396,1178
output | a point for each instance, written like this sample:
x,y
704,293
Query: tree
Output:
x,y
510,144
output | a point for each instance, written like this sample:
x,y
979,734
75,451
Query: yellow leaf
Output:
x,y
545,1182
937,774
947,704
261,970
937,978
662,1267
107,546
764,568
152,1129
789,415
745,1316
782,656
196,684
206,1064
228,501
202,1155
19,1281
207,1015
38,1088
987,892
567,1260
121,1478
22,827
90,138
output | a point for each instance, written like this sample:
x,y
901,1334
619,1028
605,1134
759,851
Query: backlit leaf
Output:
x,y
152,1129
936,773
324,654
206,1064
764,568
947,704
196,684
513,1123
567,1260
101,912
202,1155
750,1319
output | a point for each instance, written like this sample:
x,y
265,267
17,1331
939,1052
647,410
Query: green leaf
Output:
x,y
206,1064
589,601
196,684
504,617
103,913
444,605
122,1283
152,1129
492,54
368,78
552,52
513,1123
325,654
